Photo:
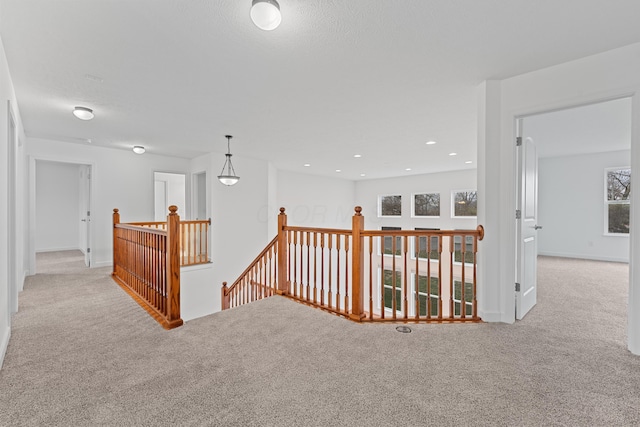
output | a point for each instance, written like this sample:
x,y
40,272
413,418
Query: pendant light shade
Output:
x,y
266,14
228,174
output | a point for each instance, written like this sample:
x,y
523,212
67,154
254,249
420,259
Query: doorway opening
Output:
x,y
169,189
62,206
577,149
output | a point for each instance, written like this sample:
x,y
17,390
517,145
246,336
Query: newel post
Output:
x,y
283,248
173,267
224,302
116,220
357,264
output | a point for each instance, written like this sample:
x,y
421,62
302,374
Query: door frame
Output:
x,y
32,203
522,115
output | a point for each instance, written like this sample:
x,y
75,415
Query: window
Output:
x,y
390,205
428,291
618,184
457,297
426,204
465,203
424,250
387,243
468,249
390,283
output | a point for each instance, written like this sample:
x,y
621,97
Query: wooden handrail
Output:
x,y
246,288
401,274
146,264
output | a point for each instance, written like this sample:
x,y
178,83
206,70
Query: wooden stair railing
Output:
x,y
402,275
146,264
194,239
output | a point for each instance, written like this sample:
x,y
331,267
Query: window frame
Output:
x,y
608,202
453,204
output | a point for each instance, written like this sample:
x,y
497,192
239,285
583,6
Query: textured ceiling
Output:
x,y
337,78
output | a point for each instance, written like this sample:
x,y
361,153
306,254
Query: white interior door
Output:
x,y
526,224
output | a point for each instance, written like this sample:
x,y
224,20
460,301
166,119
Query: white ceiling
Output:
x,y
378,78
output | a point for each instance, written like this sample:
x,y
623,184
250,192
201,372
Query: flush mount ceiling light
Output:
x,y
138,149
83,113
230,177
266,14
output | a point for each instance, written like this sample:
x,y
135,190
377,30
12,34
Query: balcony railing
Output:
x,y
367,275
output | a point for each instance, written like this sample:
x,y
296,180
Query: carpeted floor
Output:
x,y
83,353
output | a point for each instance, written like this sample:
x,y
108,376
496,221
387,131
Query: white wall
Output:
x,y
367,193
314,201
11,252
238,222
57,201
121,179
609,75
571,195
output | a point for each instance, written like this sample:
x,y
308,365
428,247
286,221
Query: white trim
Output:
x,y
4,344
70,248
582,256
98,264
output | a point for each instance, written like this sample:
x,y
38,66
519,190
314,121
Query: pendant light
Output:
x,y
230,177
266,14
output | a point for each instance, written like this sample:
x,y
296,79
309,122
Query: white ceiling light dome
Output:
x,y
83,113
138,149
266,14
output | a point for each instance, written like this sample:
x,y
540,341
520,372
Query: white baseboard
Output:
x,y
583,256
4,343
99,264
491,317
73,248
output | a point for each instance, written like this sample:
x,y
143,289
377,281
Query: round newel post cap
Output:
x,y
173,209
358,210
116,210
281,211
480,229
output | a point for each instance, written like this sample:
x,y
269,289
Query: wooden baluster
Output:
x,y
357,265
474,308
284,242
429,314
289,251
322,269
338,236
346,274
382,277
315,267
393,276
405,289
463,301
295,264
451,250
117,256
308,245
371,277
440,277
330,295
416,246
173,267
301,258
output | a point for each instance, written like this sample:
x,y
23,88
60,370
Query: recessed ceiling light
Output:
x,y
431,142
338,170
83,113
266,14
408,169
138,149
363,174
453,154
357,156
468,162
306,165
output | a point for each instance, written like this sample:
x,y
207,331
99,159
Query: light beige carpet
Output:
x,y
83,353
